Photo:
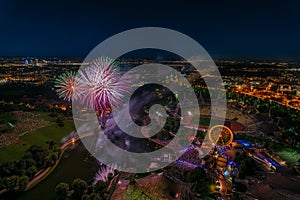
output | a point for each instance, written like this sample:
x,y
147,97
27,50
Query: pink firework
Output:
x,y
103,174
101,84
67,86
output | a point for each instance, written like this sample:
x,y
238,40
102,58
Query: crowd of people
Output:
x,y
22,123
190,158
7,139
27,122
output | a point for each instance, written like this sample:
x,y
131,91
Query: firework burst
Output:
x,y
66,84
101,84
103,174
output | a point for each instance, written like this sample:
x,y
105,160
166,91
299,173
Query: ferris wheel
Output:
x,y
220,135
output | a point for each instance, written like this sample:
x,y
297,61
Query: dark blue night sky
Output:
x,y
245,29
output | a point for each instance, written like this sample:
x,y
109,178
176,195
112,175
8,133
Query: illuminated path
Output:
x,y
48,170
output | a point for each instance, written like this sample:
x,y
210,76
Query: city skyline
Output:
x,y
261,30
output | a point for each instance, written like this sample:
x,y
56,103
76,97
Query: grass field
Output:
x,y
39,137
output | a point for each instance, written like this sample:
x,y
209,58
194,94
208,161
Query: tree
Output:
x,y
51,144
94,196
60,122
61,191
85,197
31,171
239,157
236,196
78,186
29,162
100,186
200,181
7,168
38,153
163,134
1,183
53,114
10,182
20,168
23,181
15,183
247,167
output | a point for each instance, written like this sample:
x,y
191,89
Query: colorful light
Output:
x,y
103,174
101,85
66,84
